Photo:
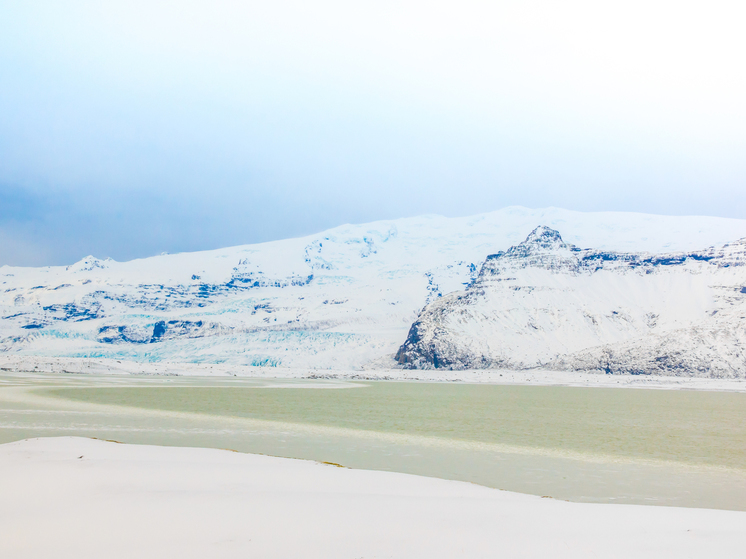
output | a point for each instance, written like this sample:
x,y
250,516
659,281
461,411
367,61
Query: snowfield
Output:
x,y
346,299
81,498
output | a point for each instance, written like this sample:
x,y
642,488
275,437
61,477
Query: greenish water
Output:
x,y
707,428
599,445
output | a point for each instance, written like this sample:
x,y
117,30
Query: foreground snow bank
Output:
x,y
74,497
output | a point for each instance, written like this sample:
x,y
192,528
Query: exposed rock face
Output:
x,y
546,303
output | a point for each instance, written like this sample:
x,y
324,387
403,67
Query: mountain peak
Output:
x,y
541,240
89,263
544,237
543,248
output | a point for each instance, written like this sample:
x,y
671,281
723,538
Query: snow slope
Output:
x,y
344,298
82,498
548,304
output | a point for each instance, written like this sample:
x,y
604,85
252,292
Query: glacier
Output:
x,y
347,298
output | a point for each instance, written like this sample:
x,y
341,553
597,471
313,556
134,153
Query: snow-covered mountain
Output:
x,y
344,298
545,303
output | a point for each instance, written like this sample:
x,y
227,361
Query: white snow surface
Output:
x,y
82,498
341,299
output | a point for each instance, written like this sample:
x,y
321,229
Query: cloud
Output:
x,y
134,128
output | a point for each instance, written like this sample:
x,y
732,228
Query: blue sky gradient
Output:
x,y
132,128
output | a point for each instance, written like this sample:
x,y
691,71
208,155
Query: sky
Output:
x,y
128,129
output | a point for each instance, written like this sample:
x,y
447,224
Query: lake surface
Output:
x,y
668,447
605,423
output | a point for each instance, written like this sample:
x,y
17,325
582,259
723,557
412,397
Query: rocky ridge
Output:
x,y
544,303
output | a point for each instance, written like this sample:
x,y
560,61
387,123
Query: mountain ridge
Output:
x,y
675,313
343,298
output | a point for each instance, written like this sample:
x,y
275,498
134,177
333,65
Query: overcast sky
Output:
x,y
132,128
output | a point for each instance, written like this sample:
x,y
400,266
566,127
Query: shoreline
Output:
x,y
99,366
582,472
